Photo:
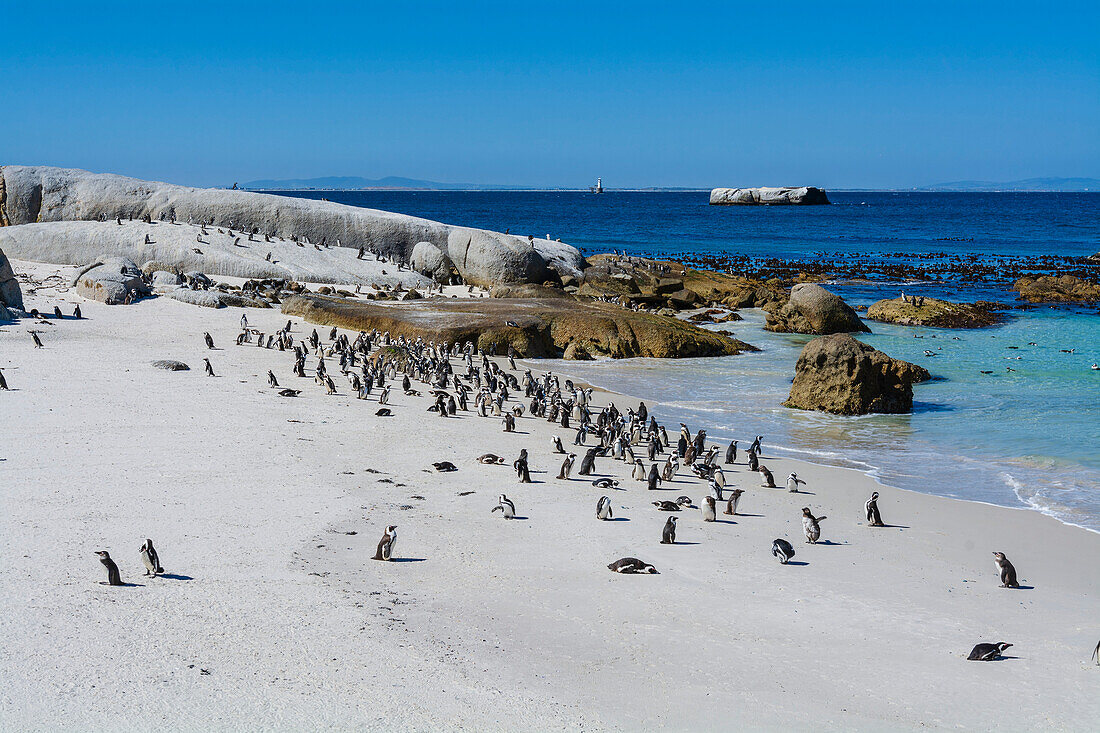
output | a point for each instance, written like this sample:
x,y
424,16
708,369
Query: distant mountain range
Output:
x,y
399,183
352,183
1027,184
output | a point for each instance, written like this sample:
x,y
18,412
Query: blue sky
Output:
x,y
832,94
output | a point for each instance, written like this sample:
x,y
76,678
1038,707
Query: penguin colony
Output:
x,y
484,388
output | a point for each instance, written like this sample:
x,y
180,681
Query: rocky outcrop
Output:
x,y
111,280
11,297
430,261
841,375
813,309
1052,289
43,194
212,250
171,365
543,327
935,313
803,195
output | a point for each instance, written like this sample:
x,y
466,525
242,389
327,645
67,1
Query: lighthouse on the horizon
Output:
x,y
598,188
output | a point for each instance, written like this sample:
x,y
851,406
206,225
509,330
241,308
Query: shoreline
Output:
x,y
271,508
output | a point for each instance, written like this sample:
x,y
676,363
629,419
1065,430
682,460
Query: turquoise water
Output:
x,y
1023,438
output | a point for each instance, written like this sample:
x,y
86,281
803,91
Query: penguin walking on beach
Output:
x,y
567,466
731,452
792,483
783,550
874,519
76,312
709,514
150,559
811,526
767,478
209,340
57,313
37,341
754,461
588,463
3,382
603,508
209,369
558,447
387,544
113,578
638,474
735,498
1005,570
505,507
755,447
520,465
654,476
668,534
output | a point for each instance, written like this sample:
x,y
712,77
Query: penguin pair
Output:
x,y
149,558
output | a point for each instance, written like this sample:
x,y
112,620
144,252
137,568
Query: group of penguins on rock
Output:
x,y
375,360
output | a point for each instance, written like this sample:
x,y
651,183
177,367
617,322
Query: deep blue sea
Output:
x,y
1026,435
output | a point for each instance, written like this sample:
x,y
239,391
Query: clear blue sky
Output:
x,y
836,94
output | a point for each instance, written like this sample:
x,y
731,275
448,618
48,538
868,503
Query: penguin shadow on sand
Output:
x,y
796,562
412,559
174,576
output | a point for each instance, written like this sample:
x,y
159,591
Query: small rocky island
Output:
x,y
768,196
935,313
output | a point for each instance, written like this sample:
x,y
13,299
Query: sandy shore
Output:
x,y
266,511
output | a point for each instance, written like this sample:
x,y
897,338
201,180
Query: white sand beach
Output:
x,y
272,615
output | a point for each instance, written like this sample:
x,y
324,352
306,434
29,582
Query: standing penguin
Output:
x,y
638,474
874,519
715,490
113,577
709,514
76,312
209,369
506,507
558,448
209,340
755,447
520,464
3,382
567,466
603,508
386,544
792,483
1005,570
271,380
767,478
668,534
588,463
810,526
654,477
735,497
754,461
150,559
783,550
731,452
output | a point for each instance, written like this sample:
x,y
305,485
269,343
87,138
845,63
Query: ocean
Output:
x,y
1027,435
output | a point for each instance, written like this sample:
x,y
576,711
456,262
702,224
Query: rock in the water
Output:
x,y
841,375
935,313
10,294
545,327
803,195
171,365
813,309
44,194
1063,289
110,280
